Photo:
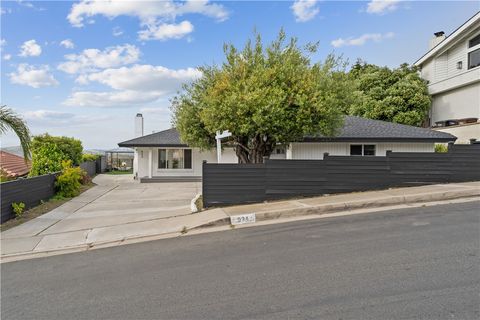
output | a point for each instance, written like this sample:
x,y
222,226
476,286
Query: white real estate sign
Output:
x,y
219,137
242,219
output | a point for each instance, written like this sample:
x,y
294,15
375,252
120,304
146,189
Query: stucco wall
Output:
x,y
464,133
456,104
315,151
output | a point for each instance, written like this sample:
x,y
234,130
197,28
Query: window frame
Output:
x,y
183,159
472,49
363,149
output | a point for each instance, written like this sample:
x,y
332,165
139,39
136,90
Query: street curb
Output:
x,y
358,204
261,216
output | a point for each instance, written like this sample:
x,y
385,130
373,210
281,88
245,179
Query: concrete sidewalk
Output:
x,y
60,231
357,200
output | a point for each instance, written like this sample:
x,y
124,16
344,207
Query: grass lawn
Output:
x,y
42,208
115,172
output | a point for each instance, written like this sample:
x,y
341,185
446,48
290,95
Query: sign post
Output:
x,y
219,137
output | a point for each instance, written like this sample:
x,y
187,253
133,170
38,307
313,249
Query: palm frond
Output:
x,y
9,120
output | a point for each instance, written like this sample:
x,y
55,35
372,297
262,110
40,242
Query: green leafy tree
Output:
x,y
263,95
394,95
46,158
9,120
70,147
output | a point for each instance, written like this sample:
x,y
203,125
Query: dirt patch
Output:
x,y
39,210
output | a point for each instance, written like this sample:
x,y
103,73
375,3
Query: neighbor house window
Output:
x,y
279,150
175,158
474,52
362,149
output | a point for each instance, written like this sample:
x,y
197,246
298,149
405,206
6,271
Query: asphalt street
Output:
x,y
418,263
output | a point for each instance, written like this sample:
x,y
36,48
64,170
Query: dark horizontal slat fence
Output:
x,y
247,181
29,191
32,191
90,167
226,184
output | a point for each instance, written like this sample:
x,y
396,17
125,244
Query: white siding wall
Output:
x,y
314,151
455,54
441,67
228,156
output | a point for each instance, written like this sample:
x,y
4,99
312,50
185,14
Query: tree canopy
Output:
x,y
264,95
395,95
9,120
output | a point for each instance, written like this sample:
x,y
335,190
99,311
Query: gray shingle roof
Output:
x,y
354,129
165,138
357,128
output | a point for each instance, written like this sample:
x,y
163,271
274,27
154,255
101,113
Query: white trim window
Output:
x,y
473,52
362,150
173,159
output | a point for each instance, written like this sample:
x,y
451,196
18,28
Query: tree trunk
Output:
x,y
253,150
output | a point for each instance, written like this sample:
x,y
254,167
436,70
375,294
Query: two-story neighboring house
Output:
x,y
452,69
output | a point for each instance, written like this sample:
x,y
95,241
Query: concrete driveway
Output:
x,y
126,201
118,208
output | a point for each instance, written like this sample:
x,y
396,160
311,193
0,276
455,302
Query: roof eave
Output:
x,y
163,145
378,139
448,40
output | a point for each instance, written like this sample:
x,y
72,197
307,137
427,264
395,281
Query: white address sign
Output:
x,y
242,219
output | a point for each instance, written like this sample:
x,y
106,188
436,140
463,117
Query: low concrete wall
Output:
x,y
463,132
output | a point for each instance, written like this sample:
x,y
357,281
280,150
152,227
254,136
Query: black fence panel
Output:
x,y
29,191
90,167
226,184
233,183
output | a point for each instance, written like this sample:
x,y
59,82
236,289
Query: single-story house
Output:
x,y
13,166
162,155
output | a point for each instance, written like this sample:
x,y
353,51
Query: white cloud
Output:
x,y
30,5
154,16
7,57
117,31
382,6
30,48
143,78
91,60
156,111
53,118
111,99
360,41
305,10
146,11
46,114
3,42
132,86
34,77
166,31
5,11
67,43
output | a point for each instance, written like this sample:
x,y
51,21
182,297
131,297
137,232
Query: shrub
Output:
x,y
71,148
86,179
89,157
46,158
441,148
18,209
69,182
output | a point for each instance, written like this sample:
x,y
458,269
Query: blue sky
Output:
x,y
85,68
